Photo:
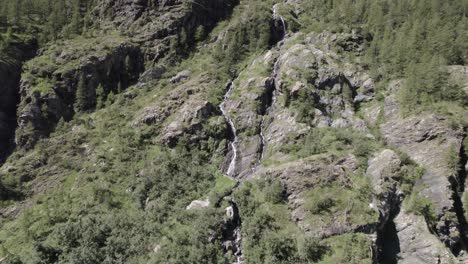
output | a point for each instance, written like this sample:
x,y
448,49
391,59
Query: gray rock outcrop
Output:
x,y
49,94
384,172
428,140
417,244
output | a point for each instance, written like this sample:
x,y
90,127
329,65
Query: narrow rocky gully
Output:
x,y
232,237
10,74
388,243
457,183
270,103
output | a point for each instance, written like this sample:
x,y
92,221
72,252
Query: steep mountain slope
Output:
x,y
239,132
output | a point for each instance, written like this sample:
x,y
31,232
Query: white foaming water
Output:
x,y
276,15
268,110
274,75
232,164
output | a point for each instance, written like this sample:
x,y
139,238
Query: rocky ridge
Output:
x,y
303,112
49,88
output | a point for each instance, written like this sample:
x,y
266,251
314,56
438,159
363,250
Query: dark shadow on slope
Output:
x,y
11,62
231,236
389,244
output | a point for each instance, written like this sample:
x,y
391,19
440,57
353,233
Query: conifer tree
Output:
x,y
100,96
75,24
81,103
119,87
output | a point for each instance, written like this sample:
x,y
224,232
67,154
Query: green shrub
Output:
x,y
420,205
355,248
312,249
452,159
323,203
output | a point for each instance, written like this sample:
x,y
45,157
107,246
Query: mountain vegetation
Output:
x,y
233,131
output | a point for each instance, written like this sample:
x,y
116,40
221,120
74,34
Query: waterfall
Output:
x,y
232,165
232,235
277,15
273,99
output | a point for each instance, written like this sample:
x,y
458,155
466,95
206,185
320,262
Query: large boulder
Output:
x,y
384,172
417,244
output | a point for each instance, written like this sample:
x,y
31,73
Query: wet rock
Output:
x,y
279,28
231,234
246,105
17,51
230,212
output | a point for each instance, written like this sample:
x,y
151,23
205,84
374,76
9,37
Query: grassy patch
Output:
x,y
340,203
269,234
350,248
331,140
420,205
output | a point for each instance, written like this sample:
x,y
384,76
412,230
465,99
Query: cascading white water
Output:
x,y
276,15
274,75
232,165
236,235
273,101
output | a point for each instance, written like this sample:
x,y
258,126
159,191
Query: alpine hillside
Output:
x,y
234,131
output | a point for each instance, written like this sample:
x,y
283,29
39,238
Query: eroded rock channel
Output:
x,y
17,52
457,184
232,237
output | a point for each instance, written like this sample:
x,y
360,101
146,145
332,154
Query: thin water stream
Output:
x,y
268,110
233,238
234,140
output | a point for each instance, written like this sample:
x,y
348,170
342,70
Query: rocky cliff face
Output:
x,y
265,106
429,141
51,93
17,51
294,152
155,24
8,101
50,85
